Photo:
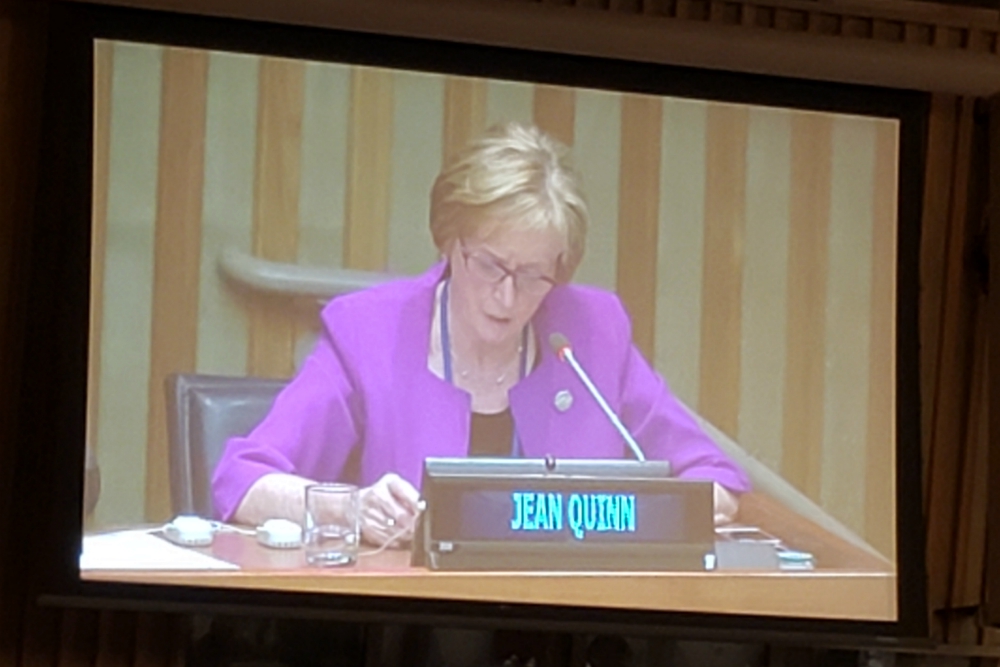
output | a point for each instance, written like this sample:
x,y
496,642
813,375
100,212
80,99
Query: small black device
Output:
x,y
565,514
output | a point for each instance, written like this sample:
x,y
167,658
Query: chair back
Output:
x,y
203,412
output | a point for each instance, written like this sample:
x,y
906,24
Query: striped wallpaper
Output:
x,y
754,247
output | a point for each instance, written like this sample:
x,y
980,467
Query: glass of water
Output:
x,y
331,524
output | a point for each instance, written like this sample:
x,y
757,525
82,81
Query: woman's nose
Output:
x,y
506,291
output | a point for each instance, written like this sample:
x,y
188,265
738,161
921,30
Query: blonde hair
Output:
x,y
516,174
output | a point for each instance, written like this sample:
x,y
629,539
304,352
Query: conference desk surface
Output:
x,y
848,582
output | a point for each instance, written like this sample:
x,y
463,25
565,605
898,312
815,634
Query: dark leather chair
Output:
x,y
203,412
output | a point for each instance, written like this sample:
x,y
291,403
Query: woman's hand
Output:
x,y
389,510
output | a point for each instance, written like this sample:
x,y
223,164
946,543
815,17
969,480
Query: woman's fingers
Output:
x,y
388,510
390,494
374,526
404,492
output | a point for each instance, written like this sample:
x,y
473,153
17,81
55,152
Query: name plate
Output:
x,y
515,514
584,514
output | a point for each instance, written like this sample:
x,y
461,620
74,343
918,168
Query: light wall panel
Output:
x,y
848,317
323,179
597,155
680,246
227,218
128,283
509,101
765,285
418,136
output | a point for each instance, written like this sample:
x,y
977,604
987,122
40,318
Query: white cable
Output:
x,y
398,534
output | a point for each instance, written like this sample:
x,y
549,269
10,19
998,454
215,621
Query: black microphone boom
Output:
x,y
560,345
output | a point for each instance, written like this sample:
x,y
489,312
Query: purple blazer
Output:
x,y
365,404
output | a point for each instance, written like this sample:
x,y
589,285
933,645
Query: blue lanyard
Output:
x,y
515,444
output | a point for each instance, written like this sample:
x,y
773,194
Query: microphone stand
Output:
x,y
565,353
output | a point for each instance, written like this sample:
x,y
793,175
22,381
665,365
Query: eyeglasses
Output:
x,y
489,269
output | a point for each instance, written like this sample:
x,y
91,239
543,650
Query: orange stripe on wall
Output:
x,y
180,180
880,494
809,216
280,102
555,111
369,170
638,214
722,269
103,72
465,111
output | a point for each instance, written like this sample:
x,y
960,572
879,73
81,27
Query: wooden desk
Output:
x,y
849,582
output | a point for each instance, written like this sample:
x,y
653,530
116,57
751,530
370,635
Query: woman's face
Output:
x,y
499,280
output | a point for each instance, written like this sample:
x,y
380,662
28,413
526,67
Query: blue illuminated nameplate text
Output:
x,y
582,512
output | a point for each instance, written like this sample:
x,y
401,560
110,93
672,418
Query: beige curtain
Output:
x,y
953,331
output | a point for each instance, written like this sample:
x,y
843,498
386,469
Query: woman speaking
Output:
x,y
457,362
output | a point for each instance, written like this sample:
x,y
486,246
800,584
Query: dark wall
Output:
x,y
23,27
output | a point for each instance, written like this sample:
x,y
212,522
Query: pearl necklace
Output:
x,y
515,444
465,373
448,355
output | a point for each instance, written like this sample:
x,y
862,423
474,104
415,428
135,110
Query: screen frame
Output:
x,y
48,486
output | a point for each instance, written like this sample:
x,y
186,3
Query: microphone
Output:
x,y
560,345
